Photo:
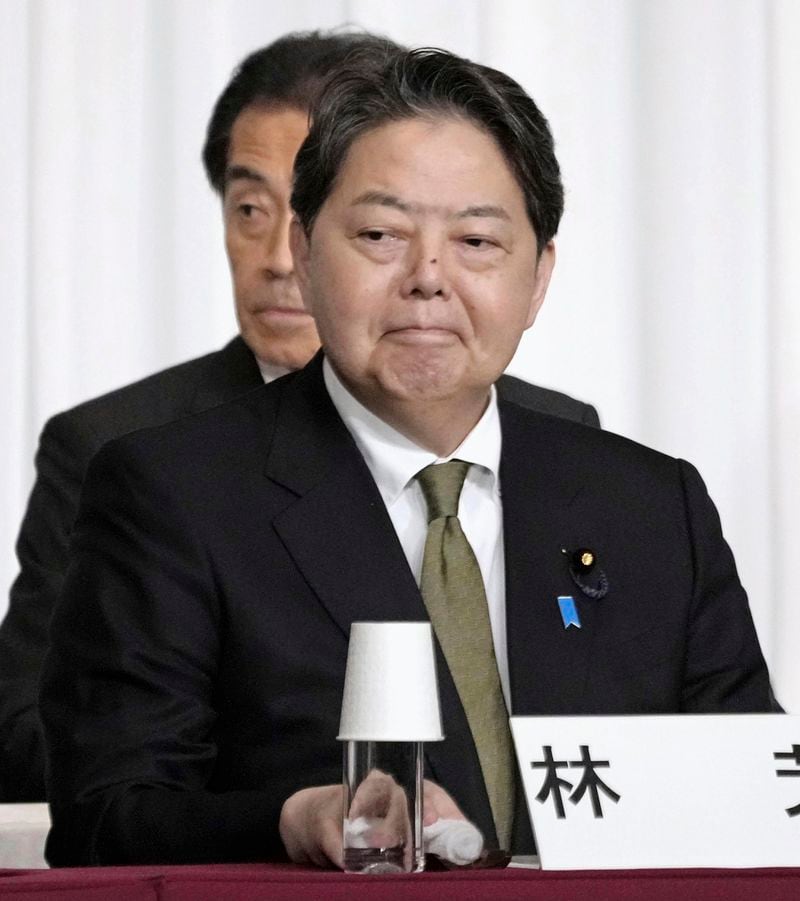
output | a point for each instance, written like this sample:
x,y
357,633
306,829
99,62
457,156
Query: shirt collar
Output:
x,y
270,372
393,459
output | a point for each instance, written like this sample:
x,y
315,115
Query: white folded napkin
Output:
x,y
355,832
458,841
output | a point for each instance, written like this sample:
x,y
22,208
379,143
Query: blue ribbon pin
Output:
x,y
569,612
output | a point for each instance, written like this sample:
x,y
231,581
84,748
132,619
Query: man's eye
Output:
x,y
480,243
247,209
374,236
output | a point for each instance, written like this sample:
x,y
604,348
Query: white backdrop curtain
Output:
x,y
674,305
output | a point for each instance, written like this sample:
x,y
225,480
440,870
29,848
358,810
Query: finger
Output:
x,y
387,819
331,843
400,817
373,796
393,830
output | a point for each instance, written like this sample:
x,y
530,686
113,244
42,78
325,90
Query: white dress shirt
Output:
x,y
269,371
394,460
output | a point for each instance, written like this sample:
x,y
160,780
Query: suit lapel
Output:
x,y
548,663
230,373
338,531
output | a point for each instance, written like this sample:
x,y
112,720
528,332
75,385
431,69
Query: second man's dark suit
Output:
x,y
198,654
67,444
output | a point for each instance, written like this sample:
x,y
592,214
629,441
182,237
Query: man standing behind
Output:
x,y
192,692
256,127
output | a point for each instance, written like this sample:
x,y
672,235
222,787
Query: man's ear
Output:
x,y
301,251
544,269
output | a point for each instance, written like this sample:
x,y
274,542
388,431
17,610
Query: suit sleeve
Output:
x,y
128,688
64,452
725,671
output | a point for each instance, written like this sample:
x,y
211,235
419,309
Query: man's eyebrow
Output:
x,y
379,198
485,211
236,173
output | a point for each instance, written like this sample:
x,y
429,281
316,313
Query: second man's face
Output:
x,y
272,318
421,268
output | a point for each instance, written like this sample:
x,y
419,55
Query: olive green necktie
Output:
x,y
454,595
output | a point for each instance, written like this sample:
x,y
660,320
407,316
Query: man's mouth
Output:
x,y
422,336
282,319
278,312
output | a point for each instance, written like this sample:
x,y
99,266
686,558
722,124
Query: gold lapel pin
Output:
x,y
582,563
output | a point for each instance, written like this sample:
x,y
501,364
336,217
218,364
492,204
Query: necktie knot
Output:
x,y
441,485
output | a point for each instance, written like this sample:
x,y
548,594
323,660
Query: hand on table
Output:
x,y
311,819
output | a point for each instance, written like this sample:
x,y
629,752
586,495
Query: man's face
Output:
x,y
272,318
421,268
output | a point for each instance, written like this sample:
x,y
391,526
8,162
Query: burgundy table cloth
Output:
x,y
275,882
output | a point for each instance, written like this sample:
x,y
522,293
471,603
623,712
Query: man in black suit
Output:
x,y
253,135
192,690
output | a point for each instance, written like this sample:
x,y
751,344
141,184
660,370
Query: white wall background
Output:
x,y
674,306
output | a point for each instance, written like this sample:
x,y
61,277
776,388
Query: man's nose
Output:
x,y
278,261
426,277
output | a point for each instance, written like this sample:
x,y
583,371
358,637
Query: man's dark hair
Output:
x,y
289,72
376,86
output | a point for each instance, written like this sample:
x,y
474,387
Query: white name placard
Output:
x,y
620,792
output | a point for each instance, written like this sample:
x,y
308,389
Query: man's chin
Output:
x,y
422,383
286,349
